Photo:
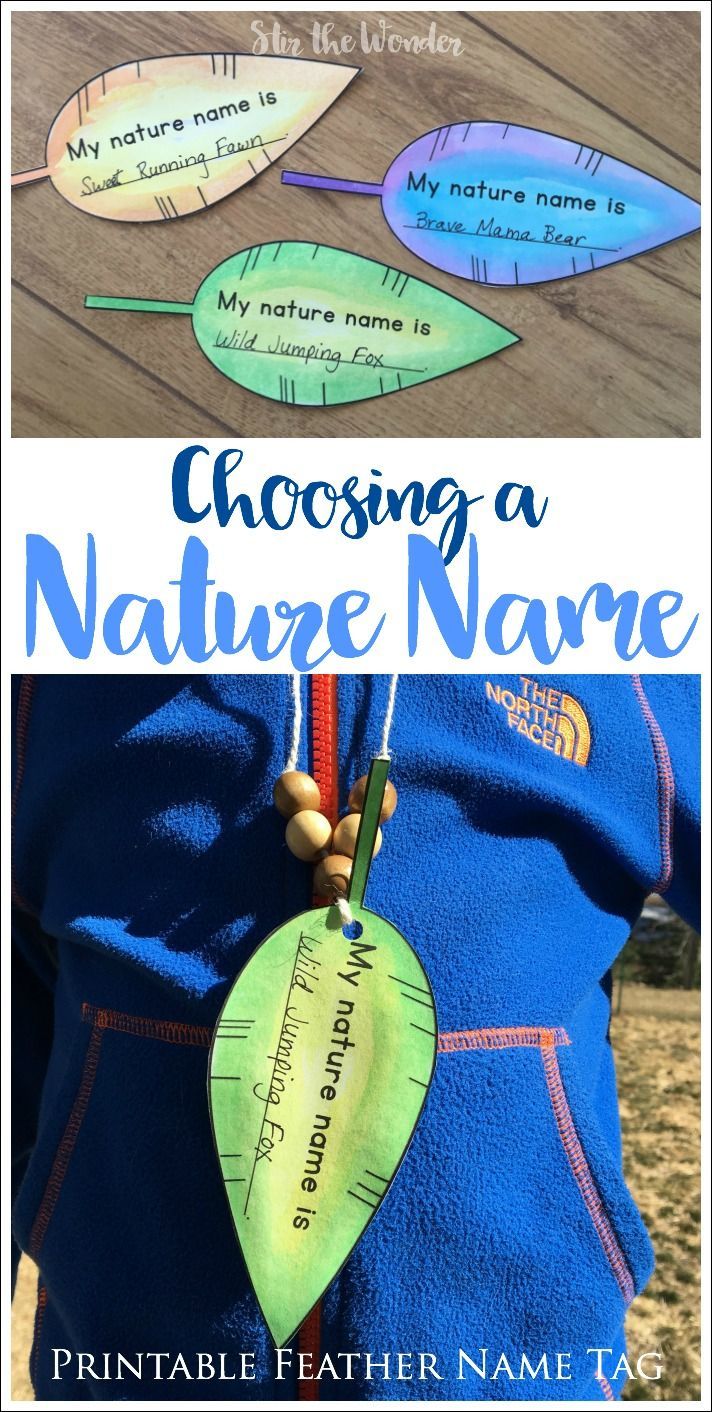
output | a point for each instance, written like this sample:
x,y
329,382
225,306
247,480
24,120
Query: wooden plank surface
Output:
x,y
615,353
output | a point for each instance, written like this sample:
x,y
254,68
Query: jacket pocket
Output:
x,y
67,1093
66,1107
571,1149
125,1196
505,1230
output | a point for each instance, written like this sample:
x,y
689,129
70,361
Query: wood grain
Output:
x,y
615,353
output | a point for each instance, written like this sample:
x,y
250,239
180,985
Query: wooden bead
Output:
x,y
390,798
295,790
345,835
332,875
308,834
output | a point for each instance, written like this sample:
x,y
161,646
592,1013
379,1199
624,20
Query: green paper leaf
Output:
x,y
320,1065
312,325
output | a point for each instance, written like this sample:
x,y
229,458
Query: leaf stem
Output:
x,y
368,829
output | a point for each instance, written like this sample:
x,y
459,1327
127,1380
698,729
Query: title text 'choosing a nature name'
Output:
x,y
198,618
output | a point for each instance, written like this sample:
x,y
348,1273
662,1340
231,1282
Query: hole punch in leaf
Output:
x,y
502,204
310,325
320,1066
158,138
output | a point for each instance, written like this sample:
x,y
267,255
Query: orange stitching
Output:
x,y
666,786
178,1032
582,1172
171,1031
37,1332
66,1146
608,1392
530,1037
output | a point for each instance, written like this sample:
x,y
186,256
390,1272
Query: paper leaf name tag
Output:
x,y
320,1066
158,138
502,204
311,325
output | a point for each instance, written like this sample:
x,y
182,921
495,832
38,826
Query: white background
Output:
x,y
629,513
634,513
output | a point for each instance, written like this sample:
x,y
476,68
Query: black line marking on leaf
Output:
x,y
400,981
360,1198
415,1000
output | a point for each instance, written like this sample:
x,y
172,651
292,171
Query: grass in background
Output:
x,y
656,1038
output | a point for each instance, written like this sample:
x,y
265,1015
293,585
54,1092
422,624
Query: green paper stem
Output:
x,y
141,306
368,829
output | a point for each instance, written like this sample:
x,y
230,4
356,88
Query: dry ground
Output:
x,y
657,1041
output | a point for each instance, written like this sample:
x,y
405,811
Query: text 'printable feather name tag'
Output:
x,y
158,138
507,205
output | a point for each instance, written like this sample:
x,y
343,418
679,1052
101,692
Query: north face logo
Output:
x,y
548,718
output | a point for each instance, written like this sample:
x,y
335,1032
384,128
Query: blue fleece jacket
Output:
x,y
534,817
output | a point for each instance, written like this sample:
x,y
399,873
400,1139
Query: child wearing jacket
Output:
x,y
534,815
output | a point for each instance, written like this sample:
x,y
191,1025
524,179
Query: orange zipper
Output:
x,y
324,743
325,769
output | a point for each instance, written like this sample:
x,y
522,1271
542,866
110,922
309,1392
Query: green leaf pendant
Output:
x,y
319,1068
